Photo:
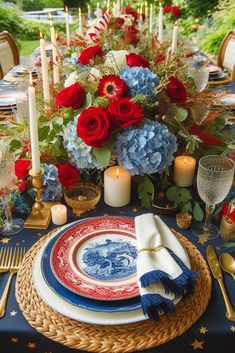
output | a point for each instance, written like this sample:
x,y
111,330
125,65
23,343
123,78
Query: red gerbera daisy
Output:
x,y
112,86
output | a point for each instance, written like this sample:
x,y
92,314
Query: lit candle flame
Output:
x,y
40,34
117,172
185,160
160,4
176,23
30,80
66,9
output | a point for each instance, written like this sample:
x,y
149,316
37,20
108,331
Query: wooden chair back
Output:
x,y
226,53
1,73
9,54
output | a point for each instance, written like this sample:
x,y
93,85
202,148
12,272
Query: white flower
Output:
x,y
116,59
128,20
71,79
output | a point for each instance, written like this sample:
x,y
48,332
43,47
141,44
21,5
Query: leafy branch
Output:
x,y
183,199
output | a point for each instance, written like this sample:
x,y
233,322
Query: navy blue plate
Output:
x,y
75,299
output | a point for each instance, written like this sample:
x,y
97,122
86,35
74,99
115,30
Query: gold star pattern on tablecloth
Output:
x,y
203,330
5,240
202,239
13,313
197,344
14,340
232,328
31,345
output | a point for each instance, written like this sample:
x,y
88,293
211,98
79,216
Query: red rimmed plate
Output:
x,y
97,259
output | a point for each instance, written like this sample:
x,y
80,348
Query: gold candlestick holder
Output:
x,y
40,216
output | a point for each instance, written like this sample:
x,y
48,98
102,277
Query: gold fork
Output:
x,y
5,259
17,258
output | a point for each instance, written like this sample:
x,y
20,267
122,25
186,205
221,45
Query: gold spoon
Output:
x,y
227,263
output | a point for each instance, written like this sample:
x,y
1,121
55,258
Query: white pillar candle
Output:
x,y
160,24
117,186
33,125
44,66
59,214
151,19
184,170
174,38
80,21
67,26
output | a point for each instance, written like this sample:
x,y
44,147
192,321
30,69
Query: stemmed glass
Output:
x,y
7,185
214,180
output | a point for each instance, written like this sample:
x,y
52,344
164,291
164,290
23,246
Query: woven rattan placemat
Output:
x,y
118,338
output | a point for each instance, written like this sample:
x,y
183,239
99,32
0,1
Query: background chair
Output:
x,y
226,54
1,73
9,54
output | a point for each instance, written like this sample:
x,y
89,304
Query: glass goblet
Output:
x,y
214,180
7,184
200,76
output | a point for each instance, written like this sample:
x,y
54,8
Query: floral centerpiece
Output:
x,y
126,100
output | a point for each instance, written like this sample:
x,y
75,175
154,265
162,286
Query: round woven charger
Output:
x,y
118,338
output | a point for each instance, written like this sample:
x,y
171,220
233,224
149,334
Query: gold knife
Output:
x,y
217,274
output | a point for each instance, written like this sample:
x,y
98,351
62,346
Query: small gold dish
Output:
x,y
82,197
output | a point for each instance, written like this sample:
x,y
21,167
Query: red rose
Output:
x,y
116,22
71,97
124,112
94,126
132,35
176,11
160,58
130,11
68,175
167,9
89,55
134,59
22,186
176,91
22,168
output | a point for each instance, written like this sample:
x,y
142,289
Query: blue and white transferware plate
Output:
x,y
97,258
77,300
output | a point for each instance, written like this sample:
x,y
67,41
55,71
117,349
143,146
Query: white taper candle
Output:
x,y
33,124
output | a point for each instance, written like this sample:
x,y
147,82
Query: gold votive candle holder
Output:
x,y
83,197
227,229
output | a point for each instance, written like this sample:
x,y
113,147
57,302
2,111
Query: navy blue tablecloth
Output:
x,y
211,334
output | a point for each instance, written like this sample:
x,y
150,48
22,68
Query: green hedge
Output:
x,y
11,20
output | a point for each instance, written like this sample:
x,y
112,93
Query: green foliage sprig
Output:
x,y
182,198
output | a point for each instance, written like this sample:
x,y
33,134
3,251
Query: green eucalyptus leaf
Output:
x,y
185,193
103,154
147,201
15,145
197,212
148,185
187,207
172,193
181,114
43,133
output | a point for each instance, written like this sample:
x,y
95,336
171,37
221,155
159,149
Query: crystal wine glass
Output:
x,y
214,180
7,184
200,76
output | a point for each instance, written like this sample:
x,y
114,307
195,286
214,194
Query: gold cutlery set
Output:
x,y
10,261
227,263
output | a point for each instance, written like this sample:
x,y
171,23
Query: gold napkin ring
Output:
x,y
152,249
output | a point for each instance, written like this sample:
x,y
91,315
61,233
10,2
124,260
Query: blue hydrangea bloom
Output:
x,y
79,153
140,80
20,206
52,190
147,149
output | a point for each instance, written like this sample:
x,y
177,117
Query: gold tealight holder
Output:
x,y
40,216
